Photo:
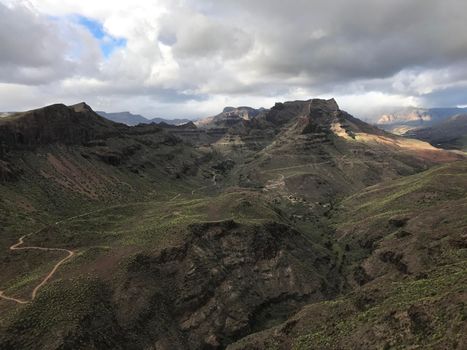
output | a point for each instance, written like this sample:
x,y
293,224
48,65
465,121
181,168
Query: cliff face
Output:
x,y
229,280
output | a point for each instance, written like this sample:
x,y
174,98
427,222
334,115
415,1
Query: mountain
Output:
x,y
320,153
450,133
55,123
69,139
125,118
401,247
407,119
135,119
171,121
299,226
230,116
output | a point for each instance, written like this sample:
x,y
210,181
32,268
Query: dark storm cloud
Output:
x,y
341,41
452,96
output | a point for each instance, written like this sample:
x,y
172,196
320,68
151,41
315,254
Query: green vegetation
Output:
x,y
428,312
80,308
279,236
408,235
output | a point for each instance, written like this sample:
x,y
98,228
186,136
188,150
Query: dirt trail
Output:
x,y
176,196
70,253
13,299
16,246
274,184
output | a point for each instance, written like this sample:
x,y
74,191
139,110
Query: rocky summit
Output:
x,y
293,227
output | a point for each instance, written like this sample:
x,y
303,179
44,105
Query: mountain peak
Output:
x,y
330,104
81,107
55,123
285,112
229,117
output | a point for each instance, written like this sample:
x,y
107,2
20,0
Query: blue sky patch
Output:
x,y
107,43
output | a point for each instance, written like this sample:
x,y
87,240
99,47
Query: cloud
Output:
x,y
107,43
36,49
29,47
195,35
451,96
182,57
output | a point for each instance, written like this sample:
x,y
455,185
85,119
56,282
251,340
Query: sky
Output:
x,y
190,58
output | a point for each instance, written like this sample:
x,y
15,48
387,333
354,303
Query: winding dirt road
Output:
x,y
17,246
70,253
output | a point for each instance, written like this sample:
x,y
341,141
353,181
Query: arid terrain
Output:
x,y
294,227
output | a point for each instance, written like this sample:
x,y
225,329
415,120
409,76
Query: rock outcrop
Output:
x,y
226,281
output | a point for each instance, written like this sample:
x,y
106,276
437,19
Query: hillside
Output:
x,y
183,237
314,151
402,250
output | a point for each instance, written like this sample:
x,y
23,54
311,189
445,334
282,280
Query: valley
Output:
x,y
295,227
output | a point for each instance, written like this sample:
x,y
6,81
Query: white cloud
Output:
x,y
366,105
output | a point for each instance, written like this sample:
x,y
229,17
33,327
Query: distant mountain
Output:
x,y
124,118
171,121
450,133
230,116
135,119
401,121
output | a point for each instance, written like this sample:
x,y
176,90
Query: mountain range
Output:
x,y
135,119
293,227
406,119
229,117
450,133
